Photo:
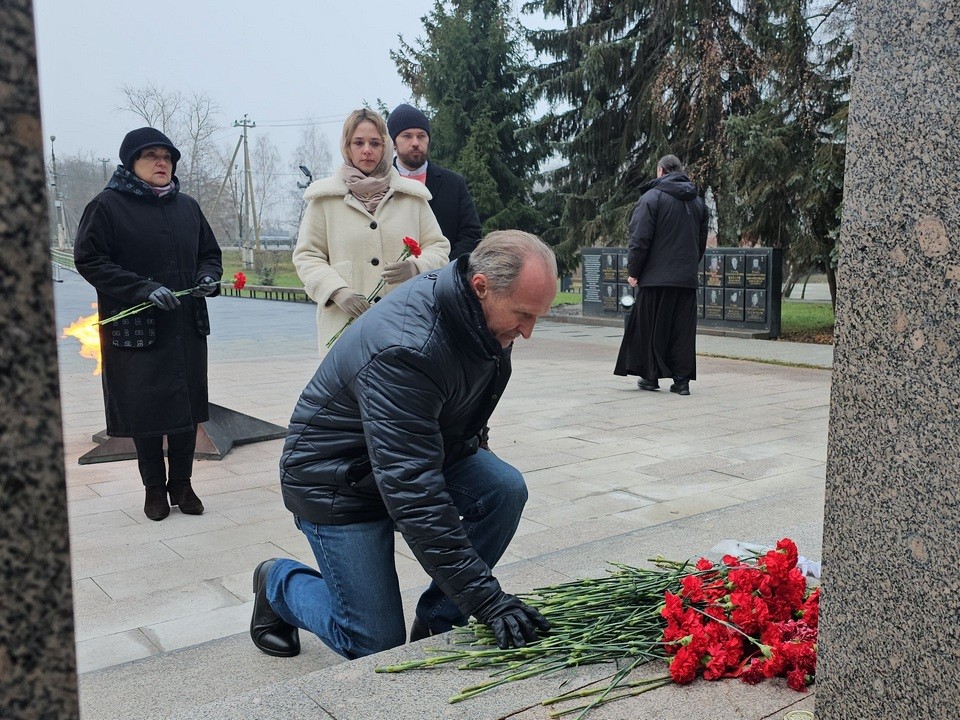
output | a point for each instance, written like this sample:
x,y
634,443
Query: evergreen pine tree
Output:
x,y
468,73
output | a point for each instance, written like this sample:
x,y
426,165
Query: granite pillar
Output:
x,y
891,612
37,663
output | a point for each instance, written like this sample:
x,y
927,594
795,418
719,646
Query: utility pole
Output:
x,y
104,161
58,200
251,258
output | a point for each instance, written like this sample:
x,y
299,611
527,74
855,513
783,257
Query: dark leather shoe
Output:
x,y
268,631
681,387
155,505
182,494
419,630
645,384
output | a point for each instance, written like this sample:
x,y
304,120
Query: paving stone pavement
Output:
x,y
159,604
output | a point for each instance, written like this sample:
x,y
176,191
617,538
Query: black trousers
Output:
x,y
660,337
180,449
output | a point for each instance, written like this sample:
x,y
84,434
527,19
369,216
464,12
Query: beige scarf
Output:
x,y
368,189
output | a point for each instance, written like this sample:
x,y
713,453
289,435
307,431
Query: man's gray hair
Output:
x,y
670,164
501,255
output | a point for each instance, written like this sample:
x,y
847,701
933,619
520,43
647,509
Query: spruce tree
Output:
x,y
469,75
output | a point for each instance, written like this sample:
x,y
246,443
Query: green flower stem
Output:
x,y
144,305
370,298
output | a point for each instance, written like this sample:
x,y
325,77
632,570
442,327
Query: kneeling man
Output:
x,y
390,434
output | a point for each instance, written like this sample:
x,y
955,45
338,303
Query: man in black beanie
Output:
x,y
451,203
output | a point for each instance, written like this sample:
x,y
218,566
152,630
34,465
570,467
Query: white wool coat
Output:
x,y
341,244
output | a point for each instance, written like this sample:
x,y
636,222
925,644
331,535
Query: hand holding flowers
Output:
x,y
167,299
394,273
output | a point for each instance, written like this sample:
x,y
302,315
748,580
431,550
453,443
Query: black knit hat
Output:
x,y
136,141
405,117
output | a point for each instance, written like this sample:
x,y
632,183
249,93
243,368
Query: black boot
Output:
x,y
182,494
155,506
419,630
269,632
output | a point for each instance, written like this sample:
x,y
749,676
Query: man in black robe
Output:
x,y
666,240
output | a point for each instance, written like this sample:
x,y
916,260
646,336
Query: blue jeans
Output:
x,y
353,603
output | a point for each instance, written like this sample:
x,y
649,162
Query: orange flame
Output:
x,y
85,330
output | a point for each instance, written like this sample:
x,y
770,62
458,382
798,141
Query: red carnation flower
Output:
x,y
239,280
413,246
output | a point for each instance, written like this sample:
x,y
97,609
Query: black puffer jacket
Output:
x,y
667,234
403,393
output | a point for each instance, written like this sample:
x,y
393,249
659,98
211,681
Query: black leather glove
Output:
x,y
164,298
206,286
512,621
352,304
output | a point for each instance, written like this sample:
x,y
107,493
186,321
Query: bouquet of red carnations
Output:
x,y
750,617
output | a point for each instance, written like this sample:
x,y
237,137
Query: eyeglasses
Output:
x,y
157,156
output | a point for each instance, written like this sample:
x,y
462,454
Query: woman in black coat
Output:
x,y
141,240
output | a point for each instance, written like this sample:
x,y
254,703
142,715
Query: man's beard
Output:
x,y
414,160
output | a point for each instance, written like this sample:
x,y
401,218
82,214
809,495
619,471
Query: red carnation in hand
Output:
x,y
413,246
239,280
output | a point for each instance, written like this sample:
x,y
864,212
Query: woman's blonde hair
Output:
x,y
350,127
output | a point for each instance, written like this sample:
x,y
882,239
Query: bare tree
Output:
x,y
80,178
200,119
314,154
155,105
265,160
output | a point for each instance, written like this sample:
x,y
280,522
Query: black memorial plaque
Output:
x,y
733,304
610,267
756,271
733,274
700,300
590,263
713,271
700,277
713,304
624,270
609,297
756,308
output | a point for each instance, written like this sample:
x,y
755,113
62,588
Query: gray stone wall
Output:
x,y
888,642
37,665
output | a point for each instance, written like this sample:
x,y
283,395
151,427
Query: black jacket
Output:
x,y
403,393
129,243
454,208
667,235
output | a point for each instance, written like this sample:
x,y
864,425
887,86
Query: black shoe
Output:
x,y
645,384
419,630
155,506
267,630
681,387
182,494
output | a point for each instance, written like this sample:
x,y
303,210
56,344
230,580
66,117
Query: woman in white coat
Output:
x,y
352,231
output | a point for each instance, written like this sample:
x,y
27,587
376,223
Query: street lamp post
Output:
x,y
303,186
58,200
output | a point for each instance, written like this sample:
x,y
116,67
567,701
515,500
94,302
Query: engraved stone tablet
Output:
x,y
756,271
733,304
756,307
733,270
713,305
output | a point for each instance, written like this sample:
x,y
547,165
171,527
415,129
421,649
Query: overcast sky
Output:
x,y
277,61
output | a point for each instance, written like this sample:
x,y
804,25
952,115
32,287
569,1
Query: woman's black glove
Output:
x,y
512,621
206,286
164,298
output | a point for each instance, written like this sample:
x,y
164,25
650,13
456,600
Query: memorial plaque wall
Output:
x,y
747,283
738,288
605,284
